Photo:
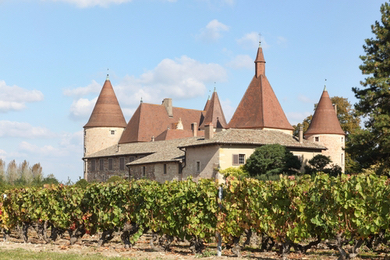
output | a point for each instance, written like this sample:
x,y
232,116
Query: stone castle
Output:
x,y
163,142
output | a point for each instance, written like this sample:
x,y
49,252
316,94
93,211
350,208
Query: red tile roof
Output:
x,y
214,113
107,112
324,120
259,108
151,120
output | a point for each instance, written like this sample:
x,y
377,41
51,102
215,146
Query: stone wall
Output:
x,y
99,138
335,145
156,171
207,157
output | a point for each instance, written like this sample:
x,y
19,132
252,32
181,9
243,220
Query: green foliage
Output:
x,y
81,183
372,145
115,179
271,160
238,172
321,163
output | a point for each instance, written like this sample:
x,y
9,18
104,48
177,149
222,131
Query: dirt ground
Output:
x,y
142,250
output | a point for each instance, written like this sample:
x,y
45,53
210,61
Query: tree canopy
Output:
x,y
371,145
270,160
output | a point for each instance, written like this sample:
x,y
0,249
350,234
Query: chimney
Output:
x,y
167,102
194,128
300,134
209,131
152,139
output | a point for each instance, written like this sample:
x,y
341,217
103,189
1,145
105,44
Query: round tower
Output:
x,y
325,129
106,124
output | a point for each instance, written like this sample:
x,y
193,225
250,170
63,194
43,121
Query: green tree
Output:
x,y
271,160
371,145
322,163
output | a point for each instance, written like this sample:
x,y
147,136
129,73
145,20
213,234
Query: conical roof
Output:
x,y
324,120
107,112
214,113
259,108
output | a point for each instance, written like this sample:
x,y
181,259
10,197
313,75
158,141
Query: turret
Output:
x,y
325,129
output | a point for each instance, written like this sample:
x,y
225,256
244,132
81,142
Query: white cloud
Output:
x,y
94,87
46,150
14,98
180,78
297,117
91,3
251,41
3,154
212,31
25,130
241,61
81,108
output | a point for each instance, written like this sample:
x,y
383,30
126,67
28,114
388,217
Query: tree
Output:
x,y
273,159
2,170
321,163
372,145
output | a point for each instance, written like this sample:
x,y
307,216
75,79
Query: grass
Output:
x,y
22,254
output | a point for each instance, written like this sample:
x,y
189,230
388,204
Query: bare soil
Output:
x,y
142,250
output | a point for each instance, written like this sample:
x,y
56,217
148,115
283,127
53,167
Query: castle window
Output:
x,y
143,171
165,168
238,159
110,164
131,158
112,132
342,139
101,164
93,166
317,138
198,166
122,163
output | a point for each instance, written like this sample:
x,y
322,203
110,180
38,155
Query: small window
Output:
x,y
317,138
110,164
342,159
143,171
165,168
101,164
112,132
342,139
131,158
122,163
198,166
238,159
93,166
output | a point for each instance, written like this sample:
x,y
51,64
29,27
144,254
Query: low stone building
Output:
x,y
163,142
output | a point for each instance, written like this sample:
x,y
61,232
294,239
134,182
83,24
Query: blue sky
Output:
x,y
54,56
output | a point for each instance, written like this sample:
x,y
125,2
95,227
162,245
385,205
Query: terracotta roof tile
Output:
x,y
325,119
152,120
214,113
259,108
107,112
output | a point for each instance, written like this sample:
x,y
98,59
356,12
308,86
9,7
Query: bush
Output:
x,y
321,163
115,179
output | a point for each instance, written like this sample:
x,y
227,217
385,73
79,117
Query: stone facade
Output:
x,y
160,172
201,162
336,147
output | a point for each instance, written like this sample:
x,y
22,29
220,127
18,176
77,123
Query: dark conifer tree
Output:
x,y
371,146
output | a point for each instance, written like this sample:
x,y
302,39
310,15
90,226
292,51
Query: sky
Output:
x,y
55,55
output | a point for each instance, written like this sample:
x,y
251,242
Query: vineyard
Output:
x,y
295,213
